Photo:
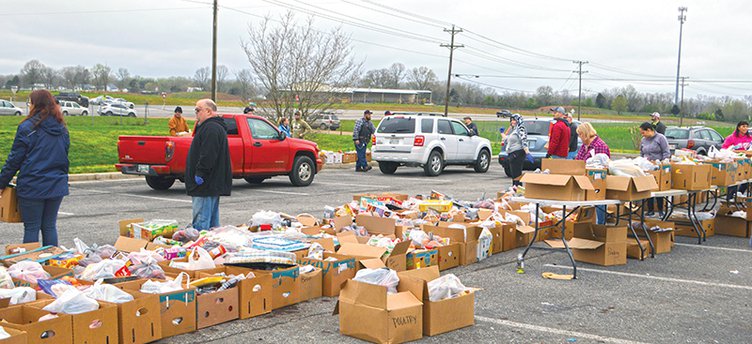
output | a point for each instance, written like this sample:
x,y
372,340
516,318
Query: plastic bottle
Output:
x,y
520,264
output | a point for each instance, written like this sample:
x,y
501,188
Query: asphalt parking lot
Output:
x,y
696,294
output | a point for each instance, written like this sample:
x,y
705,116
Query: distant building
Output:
x,y
195,89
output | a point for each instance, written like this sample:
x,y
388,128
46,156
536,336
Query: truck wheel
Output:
x,y
303,171
322,126
388,167
160,183
85,113
434,165
483,161
254,180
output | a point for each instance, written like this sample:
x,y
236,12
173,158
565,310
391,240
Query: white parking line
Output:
x,y
358,185
159,198
665,279
283,192
714,247
64,213
557,331
106,180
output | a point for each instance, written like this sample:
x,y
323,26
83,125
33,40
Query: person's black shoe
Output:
x,y
358,169
650,214
368,168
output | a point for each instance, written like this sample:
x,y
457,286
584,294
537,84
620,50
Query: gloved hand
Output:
x,y
529,158
198,180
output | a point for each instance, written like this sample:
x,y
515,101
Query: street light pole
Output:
x,y
451,47
682,19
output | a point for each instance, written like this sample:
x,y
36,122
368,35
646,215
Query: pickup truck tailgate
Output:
x,y
142,149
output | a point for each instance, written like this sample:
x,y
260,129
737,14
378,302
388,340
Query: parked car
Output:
x,y
116,109
537,139
73,97
698,139
326,121
8,109
73,109
130,105
431,142
503,114
161,159
101,100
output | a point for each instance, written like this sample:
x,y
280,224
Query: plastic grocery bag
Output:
x,y
107,292
264,218
19,295
153,287
316,251
199,259
3,334
72,301
384,277
186,235
144,256
147,269
28,271
5,280
107,268
445,287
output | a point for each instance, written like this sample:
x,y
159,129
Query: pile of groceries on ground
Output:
x,y
384,256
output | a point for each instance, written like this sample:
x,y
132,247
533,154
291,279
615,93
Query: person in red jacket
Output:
x,y
558,143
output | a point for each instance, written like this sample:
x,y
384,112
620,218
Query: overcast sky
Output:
x,y
622,39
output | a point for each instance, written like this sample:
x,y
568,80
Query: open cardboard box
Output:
x,y
285,286
422,258
598,178
630,188
335,272
26,318
722,173
376,225
311,285
633,250
556,186
150,317
467,238
254,294
663,241
731,225
21,248
597,244
16,336
54,271
690,177
368,312
95,327
438,316
217,307
449,256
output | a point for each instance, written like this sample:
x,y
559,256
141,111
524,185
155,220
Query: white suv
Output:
x,y
73,109
430,142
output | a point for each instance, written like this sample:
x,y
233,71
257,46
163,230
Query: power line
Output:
x,y
101,11
482,54
439,22
413,20
519,50
490,85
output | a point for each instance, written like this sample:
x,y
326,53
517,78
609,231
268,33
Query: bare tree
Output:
x,y
69,76
245,83
102,75
203,77
123,77
222,72
31,73
421,78
377,78
397,74
300,67
49,77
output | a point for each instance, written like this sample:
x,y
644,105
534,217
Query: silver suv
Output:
x,y
116,109
72,109
431,142
7,108
326,121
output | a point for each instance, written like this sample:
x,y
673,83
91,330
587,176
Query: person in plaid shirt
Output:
x,y
590,142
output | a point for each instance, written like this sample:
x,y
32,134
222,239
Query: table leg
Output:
x,y
669,210
564,240
618,213
645,229
691,213
535,234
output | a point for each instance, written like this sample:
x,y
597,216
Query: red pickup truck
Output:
x,y
258,151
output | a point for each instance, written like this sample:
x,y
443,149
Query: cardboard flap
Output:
x,y
546,179
584,182
618,183
525,229
568,167
425,274
341,222
125,226
400,248
311,230
363,293
555,243
484,214
347,237
402,300
307,220
374,263
454,235
361,250
127,244
584,244
326,243
645,183
375,224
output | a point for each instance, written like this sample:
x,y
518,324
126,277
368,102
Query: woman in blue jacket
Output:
x,y
40,156
284,126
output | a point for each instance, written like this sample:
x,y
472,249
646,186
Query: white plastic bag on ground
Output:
x,y
384,277
73,301
19,295
445,287
202,262
28,271
107,292
266,217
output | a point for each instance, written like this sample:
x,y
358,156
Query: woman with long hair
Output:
x,y
40,156
515,144
740,138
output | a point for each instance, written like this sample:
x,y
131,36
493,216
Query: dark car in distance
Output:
x,y
698,139
73,97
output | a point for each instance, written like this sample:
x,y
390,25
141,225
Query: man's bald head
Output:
x,y
205,108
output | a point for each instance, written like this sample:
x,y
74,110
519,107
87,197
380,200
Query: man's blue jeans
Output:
x,y
40,214
361,150
572,155
600,214
205,212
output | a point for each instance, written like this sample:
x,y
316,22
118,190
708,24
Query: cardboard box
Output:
x,y
99,326
662,241
375,224
747,201
254,294
422,258
556,186
311,285
334,272
177,309
285,286
598,179
684,228
731,226
360,251
449,256
16,336
630,188
9,211
397,259
690,177
722,173
217,307
438,316
21,248
165,265
597,244
568,167
367,312
467,238
25,318
633,251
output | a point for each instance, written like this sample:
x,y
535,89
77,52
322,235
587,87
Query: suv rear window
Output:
x,y
426,125
676,133
537,127
396,125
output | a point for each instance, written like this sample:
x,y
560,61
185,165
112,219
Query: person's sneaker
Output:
x,y
650,214
661,214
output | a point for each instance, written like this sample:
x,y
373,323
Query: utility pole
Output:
x,y
579,96
451,47
682,19
681,106
214,56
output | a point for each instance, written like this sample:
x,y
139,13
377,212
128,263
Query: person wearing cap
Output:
x,y
558,143
248,110
471,126
387,113
361,136
177,124
300,127
572,137
660,128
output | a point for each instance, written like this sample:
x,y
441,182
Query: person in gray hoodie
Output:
x,y
654,146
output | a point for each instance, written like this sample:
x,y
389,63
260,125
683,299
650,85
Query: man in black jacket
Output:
x,y
361,136
208,172
657,124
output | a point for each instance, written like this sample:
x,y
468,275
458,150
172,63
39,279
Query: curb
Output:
x,y
99,176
